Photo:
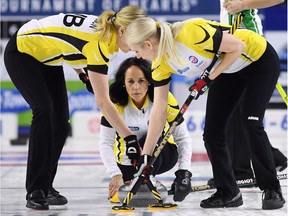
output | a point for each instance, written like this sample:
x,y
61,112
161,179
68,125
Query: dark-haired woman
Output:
x,y
132,94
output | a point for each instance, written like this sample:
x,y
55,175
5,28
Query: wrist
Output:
x,y
83,77
130,138
207,80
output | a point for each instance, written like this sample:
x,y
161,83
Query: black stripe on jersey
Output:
x,y
118,145
174,107
103,56
104,122
207,36
162,82
217,37
247,57
102,69
76,42
71,57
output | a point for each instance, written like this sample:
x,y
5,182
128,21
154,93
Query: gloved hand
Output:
x,y
142,164
133,149
200,86
181,186
85,79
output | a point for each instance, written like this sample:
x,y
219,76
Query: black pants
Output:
x,y
165,161
44,89
239,148
257,81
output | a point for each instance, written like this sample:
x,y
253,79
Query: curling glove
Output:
x,y
181,185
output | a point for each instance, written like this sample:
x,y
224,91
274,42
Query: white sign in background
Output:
x,y
85,124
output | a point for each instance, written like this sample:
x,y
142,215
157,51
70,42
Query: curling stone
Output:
x,y
144,196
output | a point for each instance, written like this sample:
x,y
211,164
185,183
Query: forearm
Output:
x,y
184,142
156,125
233,48
106,145
78,71
251,4
236,6
100,86
157,118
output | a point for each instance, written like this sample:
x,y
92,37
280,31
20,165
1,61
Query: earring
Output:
x,y
123,86
120,35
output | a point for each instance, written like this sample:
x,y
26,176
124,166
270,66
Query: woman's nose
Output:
x,y
136,85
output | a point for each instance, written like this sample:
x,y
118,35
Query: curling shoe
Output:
x,y
37,200
272,199
219,200
55,198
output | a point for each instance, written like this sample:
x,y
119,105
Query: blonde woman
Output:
x,y
34,57
249,65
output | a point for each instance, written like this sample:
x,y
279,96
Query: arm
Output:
x,y
236,6
106,145
233,48
101,90
157,118
78,71
184,143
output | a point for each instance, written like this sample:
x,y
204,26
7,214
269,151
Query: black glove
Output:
x,y
200,86
143,164
181,186
85,79
133,149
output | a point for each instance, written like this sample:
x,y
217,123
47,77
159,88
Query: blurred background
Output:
x,y
16,115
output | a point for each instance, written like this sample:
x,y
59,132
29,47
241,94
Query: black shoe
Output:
x,y
210,182
272,199
37,200
281,167
55,198
218,200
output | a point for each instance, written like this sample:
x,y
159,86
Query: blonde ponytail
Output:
x,y
110,21
146,28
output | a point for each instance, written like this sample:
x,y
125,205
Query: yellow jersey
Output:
x,y
137,120
67,39
196,44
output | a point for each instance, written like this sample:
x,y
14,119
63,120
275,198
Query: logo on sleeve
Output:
x,y
193,59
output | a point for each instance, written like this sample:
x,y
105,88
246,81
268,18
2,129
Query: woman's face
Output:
x,y
146,51
136,85
121,40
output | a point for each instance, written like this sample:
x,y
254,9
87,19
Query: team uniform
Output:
x,y
251,19
253,74
113,148
34,57
237,137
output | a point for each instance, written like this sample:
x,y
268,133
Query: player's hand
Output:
x,y
85,79
133,149
181,186
200,86
114,185
143,165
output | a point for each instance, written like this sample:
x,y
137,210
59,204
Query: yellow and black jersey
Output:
x,y
196,45
137,120
66,38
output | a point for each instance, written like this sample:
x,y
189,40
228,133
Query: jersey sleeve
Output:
x,y
97,54
206,35
160,74
184,146
106,147
172,109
